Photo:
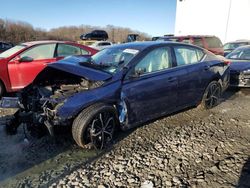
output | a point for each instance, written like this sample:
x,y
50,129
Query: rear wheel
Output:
x,y
211,95
96,125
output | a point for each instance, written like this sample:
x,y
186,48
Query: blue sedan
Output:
x,y
121,87
240,67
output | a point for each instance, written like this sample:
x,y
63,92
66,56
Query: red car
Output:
x,y
21,64
211,43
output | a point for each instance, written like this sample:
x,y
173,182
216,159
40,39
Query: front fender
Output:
x,y
76,103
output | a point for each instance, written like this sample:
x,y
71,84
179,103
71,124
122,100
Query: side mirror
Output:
x,y
25,59
138,72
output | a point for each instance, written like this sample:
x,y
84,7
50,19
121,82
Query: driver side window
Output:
x,y
156,60
45,51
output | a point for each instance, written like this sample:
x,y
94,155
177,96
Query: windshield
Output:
x,y
232,46
112,59
12,51
241,54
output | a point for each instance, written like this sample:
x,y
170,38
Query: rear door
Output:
x,y
23,73
153,91
191,85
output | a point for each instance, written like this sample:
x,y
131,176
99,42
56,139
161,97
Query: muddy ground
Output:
x,y
193,148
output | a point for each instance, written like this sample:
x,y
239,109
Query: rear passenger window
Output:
x,y
213,42
187,55
67,50
198,42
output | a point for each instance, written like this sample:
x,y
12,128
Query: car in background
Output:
x,y
155,38
240,66
5,46
121,87
133,37
21,64
95,35
211,43
99,45
230,46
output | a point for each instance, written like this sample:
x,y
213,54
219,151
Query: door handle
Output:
x,y
172,79
206,67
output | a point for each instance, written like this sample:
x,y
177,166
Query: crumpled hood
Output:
x,y
237,65
73,65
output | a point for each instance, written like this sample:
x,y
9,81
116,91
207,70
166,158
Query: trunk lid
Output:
x,y
239,65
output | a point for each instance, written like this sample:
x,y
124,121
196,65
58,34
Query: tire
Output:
x,y
211,95
2,89
96,125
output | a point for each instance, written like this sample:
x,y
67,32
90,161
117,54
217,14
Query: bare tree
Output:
x,y
17,31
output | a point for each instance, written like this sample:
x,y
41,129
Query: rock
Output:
x,y
101,186
233,120
119,184
147,184
112,177
168,183
176,180
214,169
131,180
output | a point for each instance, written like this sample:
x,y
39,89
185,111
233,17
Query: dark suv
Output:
x,y
211,43
95,35
5,46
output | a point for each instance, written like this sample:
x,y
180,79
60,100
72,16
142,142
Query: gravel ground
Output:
x,y
193,148
36,162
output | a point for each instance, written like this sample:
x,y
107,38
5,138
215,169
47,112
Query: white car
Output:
x,y
99,45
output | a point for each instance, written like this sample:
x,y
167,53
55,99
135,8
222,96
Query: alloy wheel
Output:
x,y
102,129
213,95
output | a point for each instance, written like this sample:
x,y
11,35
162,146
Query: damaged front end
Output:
x,y
40,101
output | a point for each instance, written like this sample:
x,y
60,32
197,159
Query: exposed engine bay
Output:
x,y
40,101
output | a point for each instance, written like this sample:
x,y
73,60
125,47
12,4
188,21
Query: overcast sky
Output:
x,y
155,17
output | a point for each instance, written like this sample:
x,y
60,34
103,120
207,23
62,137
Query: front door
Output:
x,y
31,62
150,88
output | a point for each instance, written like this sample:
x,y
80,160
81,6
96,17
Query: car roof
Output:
x,y
183,36
238,41
5,42
31,43
243,47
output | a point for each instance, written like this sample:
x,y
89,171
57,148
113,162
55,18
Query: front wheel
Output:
x,y
96,125
211,95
